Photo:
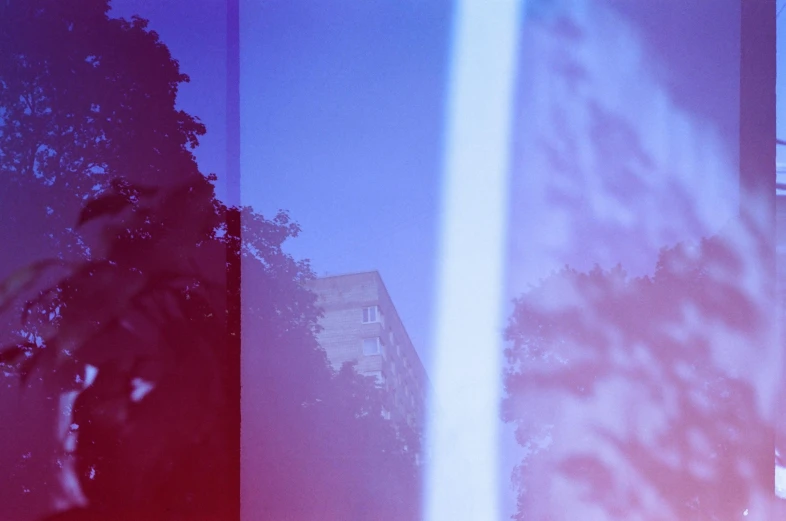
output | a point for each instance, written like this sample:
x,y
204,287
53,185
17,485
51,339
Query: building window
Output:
x,y
371,314
371,346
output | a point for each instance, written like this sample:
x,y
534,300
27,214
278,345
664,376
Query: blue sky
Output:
x,y
341,125
197,39
342,118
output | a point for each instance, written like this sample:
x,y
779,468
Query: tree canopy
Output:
x,y
84,98
635,396
133,291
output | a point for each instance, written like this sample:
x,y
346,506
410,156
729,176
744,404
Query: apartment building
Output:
x,y
360,324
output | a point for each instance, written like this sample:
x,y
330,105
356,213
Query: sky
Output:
x,y
341,126
342,123
342,118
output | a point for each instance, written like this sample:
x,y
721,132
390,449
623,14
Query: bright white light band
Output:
x,y
462,481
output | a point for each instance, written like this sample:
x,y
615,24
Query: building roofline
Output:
x,y
347,274
401,321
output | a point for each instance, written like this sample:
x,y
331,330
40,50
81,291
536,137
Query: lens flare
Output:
x,y
462,474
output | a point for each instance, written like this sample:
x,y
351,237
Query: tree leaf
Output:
x,y
110,204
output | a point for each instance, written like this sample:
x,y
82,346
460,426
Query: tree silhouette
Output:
x,y
134,293
151,309
84,98
626,395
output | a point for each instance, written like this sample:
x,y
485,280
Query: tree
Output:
x,y
84,99
136,290
151,309
92,101
634,396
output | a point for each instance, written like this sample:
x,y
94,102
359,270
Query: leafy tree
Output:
x,y
151,309
137,289
90,101
630,394
85,99
341,459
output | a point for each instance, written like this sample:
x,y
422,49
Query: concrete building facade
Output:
x,y
360,324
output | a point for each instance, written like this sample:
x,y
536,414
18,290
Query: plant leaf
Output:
x,y
110,204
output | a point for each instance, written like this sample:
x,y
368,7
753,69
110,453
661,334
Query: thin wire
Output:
x,y
780,10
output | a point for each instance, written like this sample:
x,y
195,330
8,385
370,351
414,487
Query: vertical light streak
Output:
x,y
462,472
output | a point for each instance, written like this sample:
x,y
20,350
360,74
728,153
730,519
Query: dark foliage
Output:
x,y
152,309
106,184
84,99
